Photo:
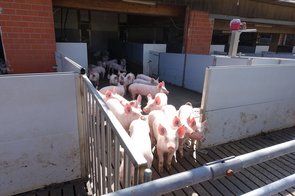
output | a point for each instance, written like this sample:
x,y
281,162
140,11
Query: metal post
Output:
x,y
211,170
235,39
234,43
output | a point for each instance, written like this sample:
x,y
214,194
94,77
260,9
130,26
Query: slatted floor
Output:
x,y
72,188
244,181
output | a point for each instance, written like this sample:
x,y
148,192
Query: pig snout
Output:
x,y
170,149
145,110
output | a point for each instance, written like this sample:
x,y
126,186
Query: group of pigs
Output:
x,y
97,72
158,124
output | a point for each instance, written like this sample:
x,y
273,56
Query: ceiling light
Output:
x,y
141,2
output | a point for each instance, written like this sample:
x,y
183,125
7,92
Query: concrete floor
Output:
x,y
177,95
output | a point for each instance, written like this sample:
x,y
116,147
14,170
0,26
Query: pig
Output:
x,y
124,113
120,89
144,90
193,132
166,136
135,103
114,80
160,100
99,69
129,78
150,82
94,78
145,77
121,77
118,67
139,132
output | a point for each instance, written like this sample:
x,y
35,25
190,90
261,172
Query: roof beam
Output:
x,y
122,7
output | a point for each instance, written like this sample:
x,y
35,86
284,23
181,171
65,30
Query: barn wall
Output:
x,y
198,32
28,35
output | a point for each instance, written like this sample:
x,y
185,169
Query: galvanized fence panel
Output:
x,y
106,145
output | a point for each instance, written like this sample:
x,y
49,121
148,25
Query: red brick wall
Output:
x,y
28,36
198,32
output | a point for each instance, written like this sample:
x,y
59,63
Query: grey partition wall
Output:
x,y
171,68
242,101
195,67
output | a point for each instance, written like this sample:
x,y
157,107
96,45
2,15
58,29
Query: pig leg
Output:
x,y
180,148
169,160
161,160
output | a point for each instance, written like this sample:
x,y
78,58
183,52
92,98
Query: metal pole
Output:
x,y
211,170
274,187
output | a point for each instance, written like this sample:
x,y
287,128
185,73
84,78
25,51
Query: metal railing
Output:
x,y
104,143
65,64
101,140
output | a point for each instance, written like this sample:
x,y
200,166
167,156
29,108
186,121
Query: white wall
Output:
x,y
242,101
39,140
260,49
146,55
218,48
75,51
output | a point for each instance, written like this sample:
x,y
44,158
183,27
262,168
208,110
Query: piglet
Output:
x,y
124,113
144,90
145,77
139,132
155,104
114,80
166,136
94,78
192,127
150,82
129,78
120,89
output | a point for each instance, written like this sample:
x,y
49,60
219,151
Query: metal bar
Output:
x,y
210,171
117,161
147,175
97,145
92,128
274,187
109,157
103,159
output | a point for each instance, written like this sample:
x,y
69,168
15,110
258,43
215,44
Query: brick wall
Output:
x,y
28,36
198,32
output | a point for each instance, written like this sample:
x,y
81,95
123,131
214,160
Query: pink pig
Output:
x,y
143,89
124,113
120,89
139,133
166,135
134,103
157,103
193,131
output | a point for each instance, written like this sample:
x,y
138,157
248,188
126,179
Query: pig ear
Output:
x,y
139,98
192,121
181,131
176,121
127,108
161,130
108,94
161,84
149,96
158,100
128,77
